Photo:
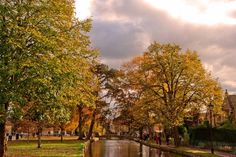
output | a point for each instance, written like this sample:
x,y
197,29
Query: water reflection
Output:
x,y
123,148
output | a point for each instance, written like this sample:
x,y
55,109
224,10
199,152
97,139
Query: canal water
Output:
x,y
123,148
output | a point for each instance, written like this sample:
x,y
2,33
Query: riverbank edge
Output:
x,y
169,149
86,145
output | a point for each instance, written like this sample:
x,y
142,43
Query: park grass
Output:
x,y
196,152
49,148
186,151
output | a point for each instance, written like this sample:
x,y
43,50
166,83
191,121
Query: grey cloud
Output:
x,y
229,88
138,24
116,40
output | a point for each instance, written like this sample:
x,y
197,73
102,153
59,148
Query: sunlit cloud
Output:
x,y
123,29
198,11
83,8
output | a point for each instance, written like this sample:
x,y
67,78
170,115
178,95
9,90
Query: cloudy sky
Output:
x,y
123,29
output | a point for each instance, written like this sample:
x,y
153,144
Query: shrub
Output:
x,y
219,135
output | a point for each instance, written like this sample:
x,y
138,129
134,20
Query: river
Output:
x,y
123,148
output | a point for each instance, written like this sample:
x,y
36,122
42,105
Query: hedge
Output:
x,y
219,135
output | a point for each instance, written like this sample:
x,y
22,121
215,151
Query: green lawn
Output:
x,y
68,148
184,150
197,152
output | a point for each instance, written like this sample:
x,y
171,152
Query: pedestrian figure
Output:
x,y
17,136
167,139
159,138
143,136
147,138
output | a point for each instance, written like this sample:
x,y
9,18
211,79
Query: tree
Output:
x,y
131,99
177,81
39,115
104,76
42,46
80,113
60,116
84,114
169,84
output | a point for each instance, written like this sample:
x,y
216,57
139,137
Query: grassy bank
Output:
x,y
185,151
24,148
195,152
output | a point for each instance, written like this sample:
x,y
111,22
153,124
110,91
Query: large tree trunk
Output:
x,y
3,141
150,130
176,136
28,136
141,150
39,136
80,109
92,124
141,133
214,116
107,129
62,131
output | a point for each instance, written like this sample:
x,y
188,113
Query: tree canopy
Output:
x,y
167,83
45,55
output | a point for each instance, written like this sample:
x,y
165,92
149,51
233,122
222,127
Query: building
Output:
x,y
229,107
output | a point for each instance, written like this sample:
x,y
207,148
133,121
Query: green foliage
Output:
x,y
45,55
205,124
220,135
228,125
185,135
16,114
45,59
60,115
38,114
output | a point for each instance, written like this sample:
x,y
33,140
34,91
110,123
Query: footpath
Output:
x,y
205,152
186,151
